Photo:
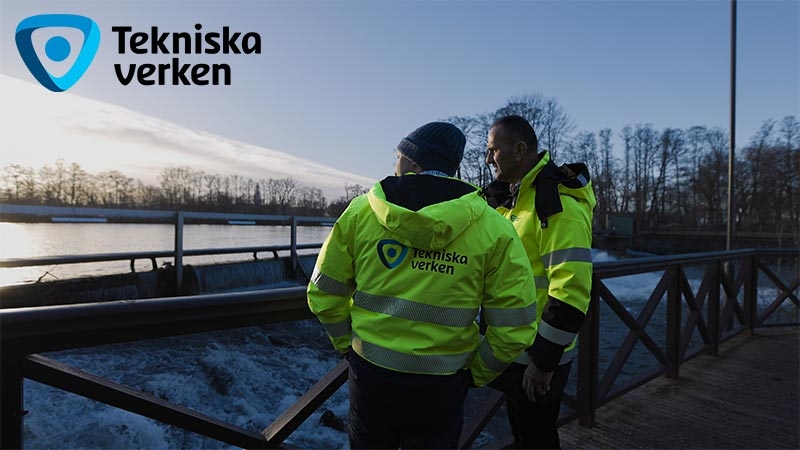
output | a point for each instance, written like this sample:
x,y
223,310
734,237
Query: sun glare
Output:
x,y
18,242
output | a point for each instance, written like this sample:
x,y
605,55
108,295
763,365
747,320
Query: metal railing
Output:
x,y
724,304
178,219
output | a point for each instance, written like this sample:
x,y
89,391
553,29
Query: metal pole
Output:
x,y
293,253
179,220
731,153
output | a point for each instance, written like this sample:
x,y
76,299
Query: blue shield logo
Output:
x,y
391,252
57,48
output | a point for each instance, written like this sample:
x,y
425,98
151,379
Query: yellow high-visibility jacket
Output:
x,y
556,229
407,267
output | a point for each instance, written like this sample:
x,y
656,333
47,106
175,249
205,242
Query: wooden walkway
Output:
x,y
746,398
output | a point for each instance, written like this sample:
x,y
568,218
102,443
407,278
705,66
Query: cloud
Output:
x,y
40,127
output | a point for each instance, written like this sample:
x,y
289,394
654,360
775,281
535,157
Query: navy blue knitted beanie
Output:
x,y
435,146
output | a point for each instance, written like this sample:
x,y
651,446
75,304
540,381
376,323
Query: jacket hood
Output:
x,y
570,179
425,211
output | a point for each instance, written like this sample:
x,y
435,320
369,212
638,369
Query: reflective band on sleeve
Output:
x,y
330,285
555,335
403,362
418,312
541,282
574,254
337,329
510,317
486,354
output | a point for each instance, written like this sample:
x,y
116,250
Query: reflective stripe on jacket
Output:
x,y
560,256
404,287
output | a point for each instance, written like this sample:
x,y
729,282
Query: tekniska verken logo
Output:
x,y
57,49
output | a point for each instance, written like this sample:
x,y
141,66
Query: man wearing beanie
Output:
x,y
398,285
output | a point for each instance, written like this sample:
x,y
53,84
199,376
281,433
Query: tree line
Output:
x,y
179,188
666,179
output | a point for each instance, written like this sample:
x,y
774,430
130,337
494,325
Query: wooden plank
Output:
x,y
746,398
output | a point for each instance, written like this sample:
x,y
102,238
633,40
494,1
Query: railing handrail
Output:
x,y
649,263
132,256
60,327
27,331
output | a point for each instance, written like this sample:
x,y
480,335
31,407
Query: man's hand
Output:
x,y
536,382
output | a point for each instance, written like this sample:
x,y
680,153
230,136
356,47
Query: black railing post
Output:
x,y
11,390
588,355
713,309
729,274
750,295
293,255
179,219
674,322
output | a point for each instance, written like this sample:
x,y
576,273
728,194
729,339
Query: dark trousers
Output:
x,y
534,425
389,409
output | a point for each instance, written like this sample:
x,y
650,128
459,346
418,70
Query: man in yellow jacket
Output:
x,y
398,285
551,208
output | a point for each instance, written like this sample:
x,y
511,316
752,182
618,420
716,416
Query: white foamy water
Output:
x,y
238,376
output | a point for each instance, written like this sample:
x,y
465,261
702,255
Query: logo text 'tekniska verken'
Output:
x,y
176,72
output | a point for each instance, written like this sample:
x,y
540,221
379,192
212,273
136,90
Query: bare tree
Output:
x,y
643,144
352,191
602,171
113,188
608,195
551,123
282,192
197,192
712,179
146,195
673,141
311,201
175,186
757,208
52,182
670,142
473,166
77,185
20,183
696,144
789,155
213,190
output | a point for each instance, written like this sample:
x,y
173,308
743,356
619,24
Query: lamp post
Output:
x,y
731,151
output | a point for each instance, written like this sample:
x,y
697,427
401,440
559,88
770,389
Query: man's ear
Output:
x,y
520,150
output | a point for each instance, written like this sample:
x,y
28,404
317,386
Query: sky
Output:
x,y
341,82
